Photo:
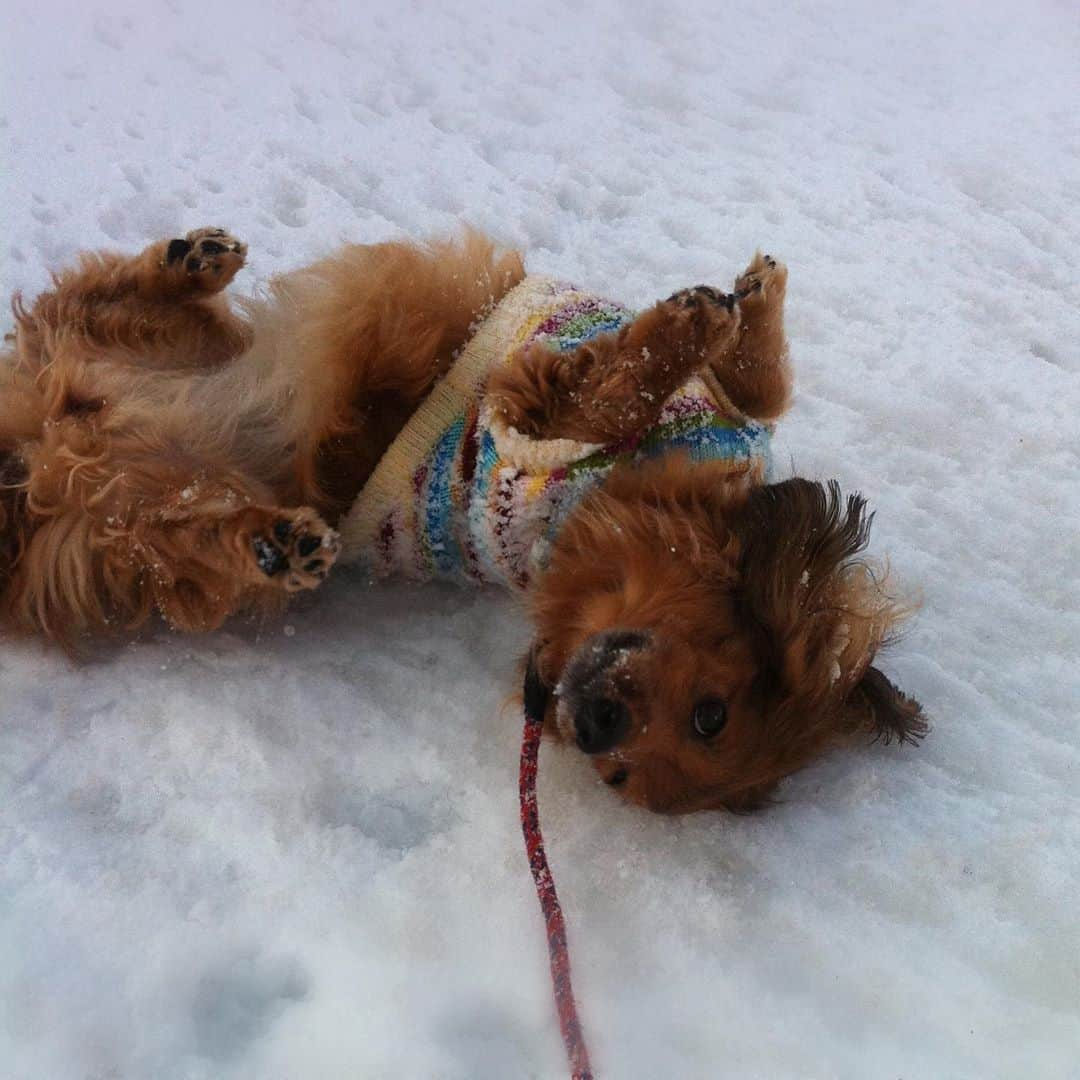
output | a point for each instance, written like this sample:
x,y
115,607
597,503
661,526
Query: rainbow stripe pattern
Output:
x,y
454,498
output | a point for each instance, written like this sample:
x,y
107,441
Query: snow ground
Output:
x,y
296,854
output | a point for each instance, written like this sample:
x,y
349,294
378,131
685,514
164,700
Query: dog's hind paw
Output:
x,y
208,258
297,550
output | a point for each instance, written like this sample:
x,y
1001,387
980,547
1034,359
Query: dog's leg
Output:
x,y
160,306
211,562
379,325
756,374
110,535
615,385
203,262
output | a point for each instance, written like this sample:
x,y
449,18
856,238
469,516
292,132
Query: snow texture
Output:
x,y
294,852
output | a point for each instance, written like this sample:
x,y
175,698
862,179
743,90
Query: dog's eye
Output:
x,y
710,716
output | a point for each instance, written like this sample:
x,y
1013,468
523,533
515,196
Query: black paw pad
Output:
x,y
687,298
308,545
282,531
749,290
271,559
714,296
691,298
177,250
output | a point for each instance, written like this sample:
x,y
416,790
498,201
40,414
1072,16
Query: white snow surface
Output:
x,y
292,851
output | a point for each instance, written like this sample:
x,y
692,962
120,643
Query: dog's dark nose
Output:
x,y
601,724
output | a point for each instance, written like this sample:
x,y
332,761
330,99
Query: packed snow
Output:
x,y
292,851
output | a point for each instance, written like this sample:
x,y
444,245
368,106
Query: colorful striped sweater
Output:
x,y
460,496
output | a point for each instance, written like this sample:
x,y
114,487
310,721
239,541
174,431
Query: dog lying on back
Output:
x,y
704,633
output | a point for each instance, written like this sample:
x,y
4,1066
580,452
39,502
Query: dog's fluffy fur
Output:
x,y
159,451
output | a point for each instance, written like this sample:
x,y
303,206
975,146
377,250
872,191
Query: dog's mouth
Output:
x,y
618,778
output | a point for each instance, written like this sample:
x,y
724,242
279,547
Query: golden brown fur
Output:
x,y
748,594
678,585
159,451
616,384
149,454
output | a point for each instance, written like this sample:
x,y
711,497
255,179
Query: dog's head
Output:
x,y
703,638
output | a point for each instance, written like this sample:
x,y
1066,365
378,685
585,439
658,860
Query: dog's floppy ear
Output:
x,y
877,705
536,694
816,614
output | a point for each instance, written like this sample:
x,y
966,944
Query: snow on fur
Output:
x,y
293,851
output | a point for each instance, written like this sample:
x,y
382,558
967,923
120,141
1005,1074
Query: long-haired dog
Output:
x,y
160,452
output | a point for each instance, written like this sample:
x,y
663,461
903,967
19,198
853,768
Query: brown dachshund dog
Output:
x,y
160,452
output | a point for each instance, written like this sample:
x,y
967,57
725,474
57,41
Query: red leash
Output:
x,y
536,698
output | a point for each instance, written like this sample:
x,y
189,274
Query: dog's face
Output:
x,y
702,638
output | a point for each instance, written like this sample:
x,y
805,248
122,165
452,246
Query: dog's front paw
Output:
x,y
709,315
764,279
297,550
702,298
208,258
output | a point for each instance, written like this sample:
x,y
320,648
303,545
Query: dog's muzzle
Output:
x,y
600,724
590,710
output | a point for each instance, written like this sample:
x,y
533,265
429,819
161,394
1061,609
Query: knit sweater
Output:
x,y
460,496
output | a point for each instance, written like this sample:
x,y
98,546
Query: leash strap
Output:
x,y
536,698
